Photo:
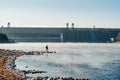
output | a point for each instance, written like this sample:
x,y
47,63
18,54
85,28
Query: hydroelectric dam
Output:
x,y
30,34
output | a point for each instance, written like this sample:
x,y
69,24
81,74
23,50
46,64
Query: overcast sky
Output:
x,y
56,13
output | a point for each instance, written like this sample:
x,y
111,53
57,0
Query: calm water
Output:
x,y
79,60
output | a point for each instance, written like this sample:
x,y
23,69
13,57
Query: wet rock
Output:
x,y
70,78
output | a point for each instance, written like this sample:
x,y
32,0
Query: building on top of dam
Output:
x,y
25,34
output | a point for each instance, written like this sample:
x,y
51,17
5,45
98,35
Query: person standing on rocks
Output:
x,y
46,48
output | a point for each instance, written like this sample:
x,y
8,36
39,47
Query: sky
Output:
x,y
56,13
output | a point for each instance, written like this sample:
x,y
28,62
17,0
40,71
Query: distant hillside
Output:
x,y
3,38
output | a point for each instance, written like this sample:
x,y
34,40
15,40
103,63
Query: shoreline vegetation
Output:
x,y
4,39
9,72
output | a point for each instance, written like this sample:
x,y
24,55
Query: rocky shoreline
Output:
x,y
9,72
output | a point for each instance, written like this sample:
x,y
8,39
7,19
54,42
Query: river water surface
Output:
x,y
79,60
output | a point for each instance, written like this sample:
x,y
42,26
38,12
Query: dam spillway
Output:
x,y
33,34
28,34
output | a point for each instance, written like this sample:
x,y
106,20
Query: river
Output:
x,y
78,60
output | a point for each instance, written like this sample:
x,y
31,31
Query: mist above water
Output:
x,y
78,60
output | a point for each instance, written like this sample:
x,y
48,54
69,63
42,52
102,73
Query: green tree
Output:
x,y
3,37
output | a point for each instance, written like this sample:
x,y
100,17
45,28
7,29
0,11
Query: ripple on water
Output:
x,y
94,61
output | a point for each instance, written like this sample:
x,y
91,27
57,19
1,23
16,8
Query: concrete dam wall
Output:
x,y
59,34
